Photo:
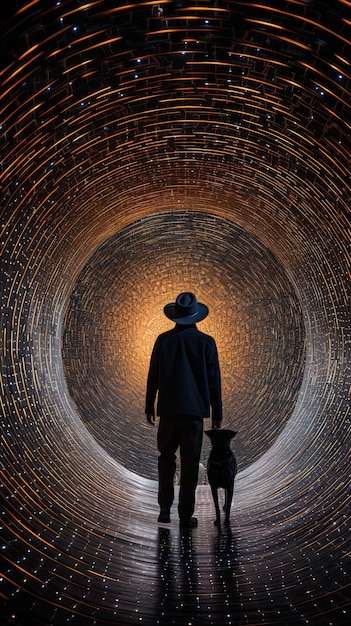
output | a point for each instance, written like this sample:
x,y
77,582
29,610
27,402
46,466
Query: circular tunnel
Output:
x,y
148,148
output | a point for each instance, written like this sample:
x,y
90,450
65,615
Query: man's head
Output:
x,y
186,309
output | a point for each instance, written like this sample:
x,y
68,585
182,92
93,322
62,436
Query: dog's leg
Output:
x,y
227,505
216,503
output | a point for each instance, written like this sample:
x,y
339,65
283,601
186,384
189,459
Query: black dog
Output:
x,y
221,469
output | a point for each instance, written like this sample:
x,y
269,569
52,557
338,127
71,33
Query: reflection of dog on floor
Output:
x,y
221,469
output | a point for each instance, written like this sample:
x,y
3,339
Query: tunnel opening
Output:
x,y
115,312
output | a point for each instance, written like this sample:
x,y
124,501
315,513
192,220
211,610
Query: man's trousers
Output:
x,y
185,432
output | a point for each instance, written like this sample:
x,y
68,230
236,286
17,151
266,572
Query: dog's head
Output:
x,y
220,436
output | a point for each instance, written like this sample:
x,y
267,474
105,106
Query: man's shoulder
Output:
x,y
189,331
164,335
207,337
201,335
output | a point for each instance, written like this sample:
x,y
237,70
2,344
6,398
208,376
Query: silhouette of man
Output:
x,y
184,373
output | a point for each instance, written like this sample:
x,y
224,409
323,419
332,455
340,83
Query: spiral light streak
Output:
x,y
148,148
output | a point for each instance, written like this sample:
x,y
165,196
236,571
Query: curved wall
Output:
x,y
112,117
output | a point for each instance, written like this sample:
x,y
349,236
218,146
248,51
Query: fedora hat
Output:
x,y
186,309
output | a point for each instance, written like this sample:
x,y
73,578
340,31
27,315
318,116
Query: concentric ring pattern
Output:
x,y
116,311
128,130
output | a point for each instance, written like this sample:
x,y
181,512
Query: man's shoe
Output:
x,y
188,523
164,517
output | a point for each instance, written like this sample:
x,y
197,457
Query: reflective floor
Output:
x,y
119,566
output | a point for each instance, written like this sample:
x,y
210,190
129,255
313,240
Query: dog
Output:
x,y
221,469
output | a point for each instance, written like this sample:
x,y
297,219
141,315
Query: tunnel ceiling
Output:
x,y
113,111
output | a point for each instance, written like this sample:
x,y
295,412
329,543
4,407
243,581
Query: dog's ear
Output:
x,y
228,434
232,433
209,433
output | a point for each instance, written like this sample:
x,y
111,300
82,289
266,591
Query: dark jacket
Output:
x,y
184,369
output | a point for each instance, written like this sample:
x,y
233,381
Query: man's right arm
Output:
x,y
152,385
151,418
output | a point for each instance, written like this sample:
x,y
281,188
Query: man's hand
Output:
x,y
150,418
216,424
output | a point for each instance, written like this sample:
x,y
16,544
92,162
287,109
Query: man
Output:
x,y
184,370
